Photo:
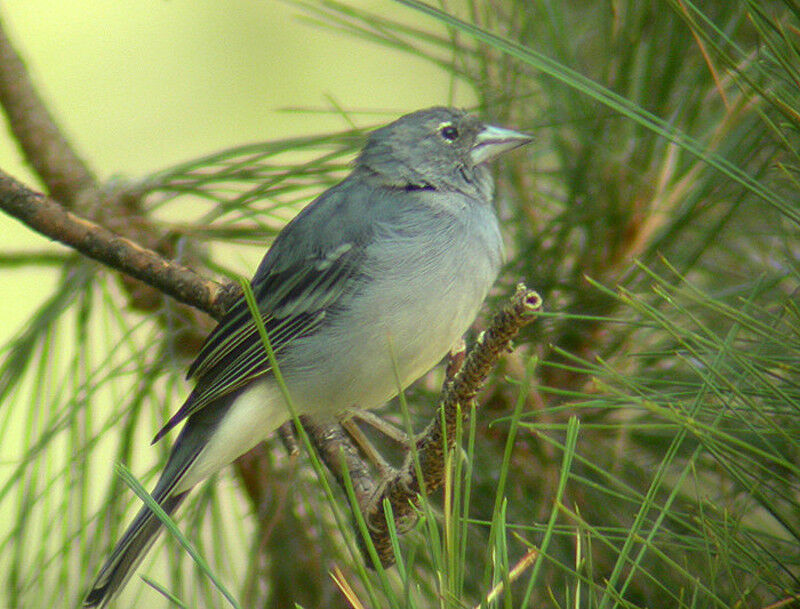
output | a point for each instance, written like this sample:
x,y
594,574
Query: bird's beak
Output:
x,y
493,141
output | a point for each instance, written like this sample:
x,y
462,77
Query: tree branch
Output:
x,y
49,218
69,181
64,174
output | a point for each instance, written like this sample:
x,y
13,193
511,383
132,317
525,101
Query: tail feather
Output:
x,y
127,554
209,440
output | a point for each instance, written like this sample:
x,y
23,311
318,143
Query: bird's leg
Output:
x,y
455,360
370,452
392,432
289,439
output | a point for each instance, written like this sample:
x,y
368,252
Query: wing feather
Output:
x,y
293,303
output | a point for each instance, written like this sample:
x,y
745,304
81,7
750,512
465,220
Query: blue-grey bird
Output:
x,y
382,273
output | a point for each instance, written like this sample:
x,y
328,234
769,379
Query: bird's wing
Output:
x,y
293,301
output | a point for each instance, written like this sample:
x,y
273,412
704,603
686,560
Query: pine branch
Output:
x,y
63,172
51,219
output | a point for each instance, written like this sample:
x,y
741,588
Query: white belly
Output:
x,y
255,413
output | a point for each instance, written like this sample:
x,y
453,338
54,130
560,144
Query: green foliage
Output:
x,y
641,448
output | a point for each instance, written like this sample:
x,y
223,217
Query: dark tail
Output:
x,y
129,552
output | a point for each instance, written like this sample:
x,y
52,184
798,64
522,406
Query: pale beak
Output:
x,y
493,141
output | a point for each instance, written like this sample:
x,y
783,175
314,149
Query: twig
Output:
x,y
401,490
522,565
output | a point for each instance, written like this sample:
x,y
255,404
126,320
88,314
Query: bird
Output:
x,y
362,293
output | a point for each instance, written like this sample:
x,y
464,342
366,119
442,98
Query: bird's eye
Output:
x,y
449,132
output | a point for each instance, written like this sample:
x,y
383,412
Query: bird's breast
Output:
x,y
422,292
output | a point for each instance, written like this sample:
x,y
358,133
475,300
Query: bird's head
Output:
x,y
438,148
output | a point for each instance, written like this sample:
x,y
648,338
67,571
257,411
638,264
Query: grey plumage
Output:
x,y
390,265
